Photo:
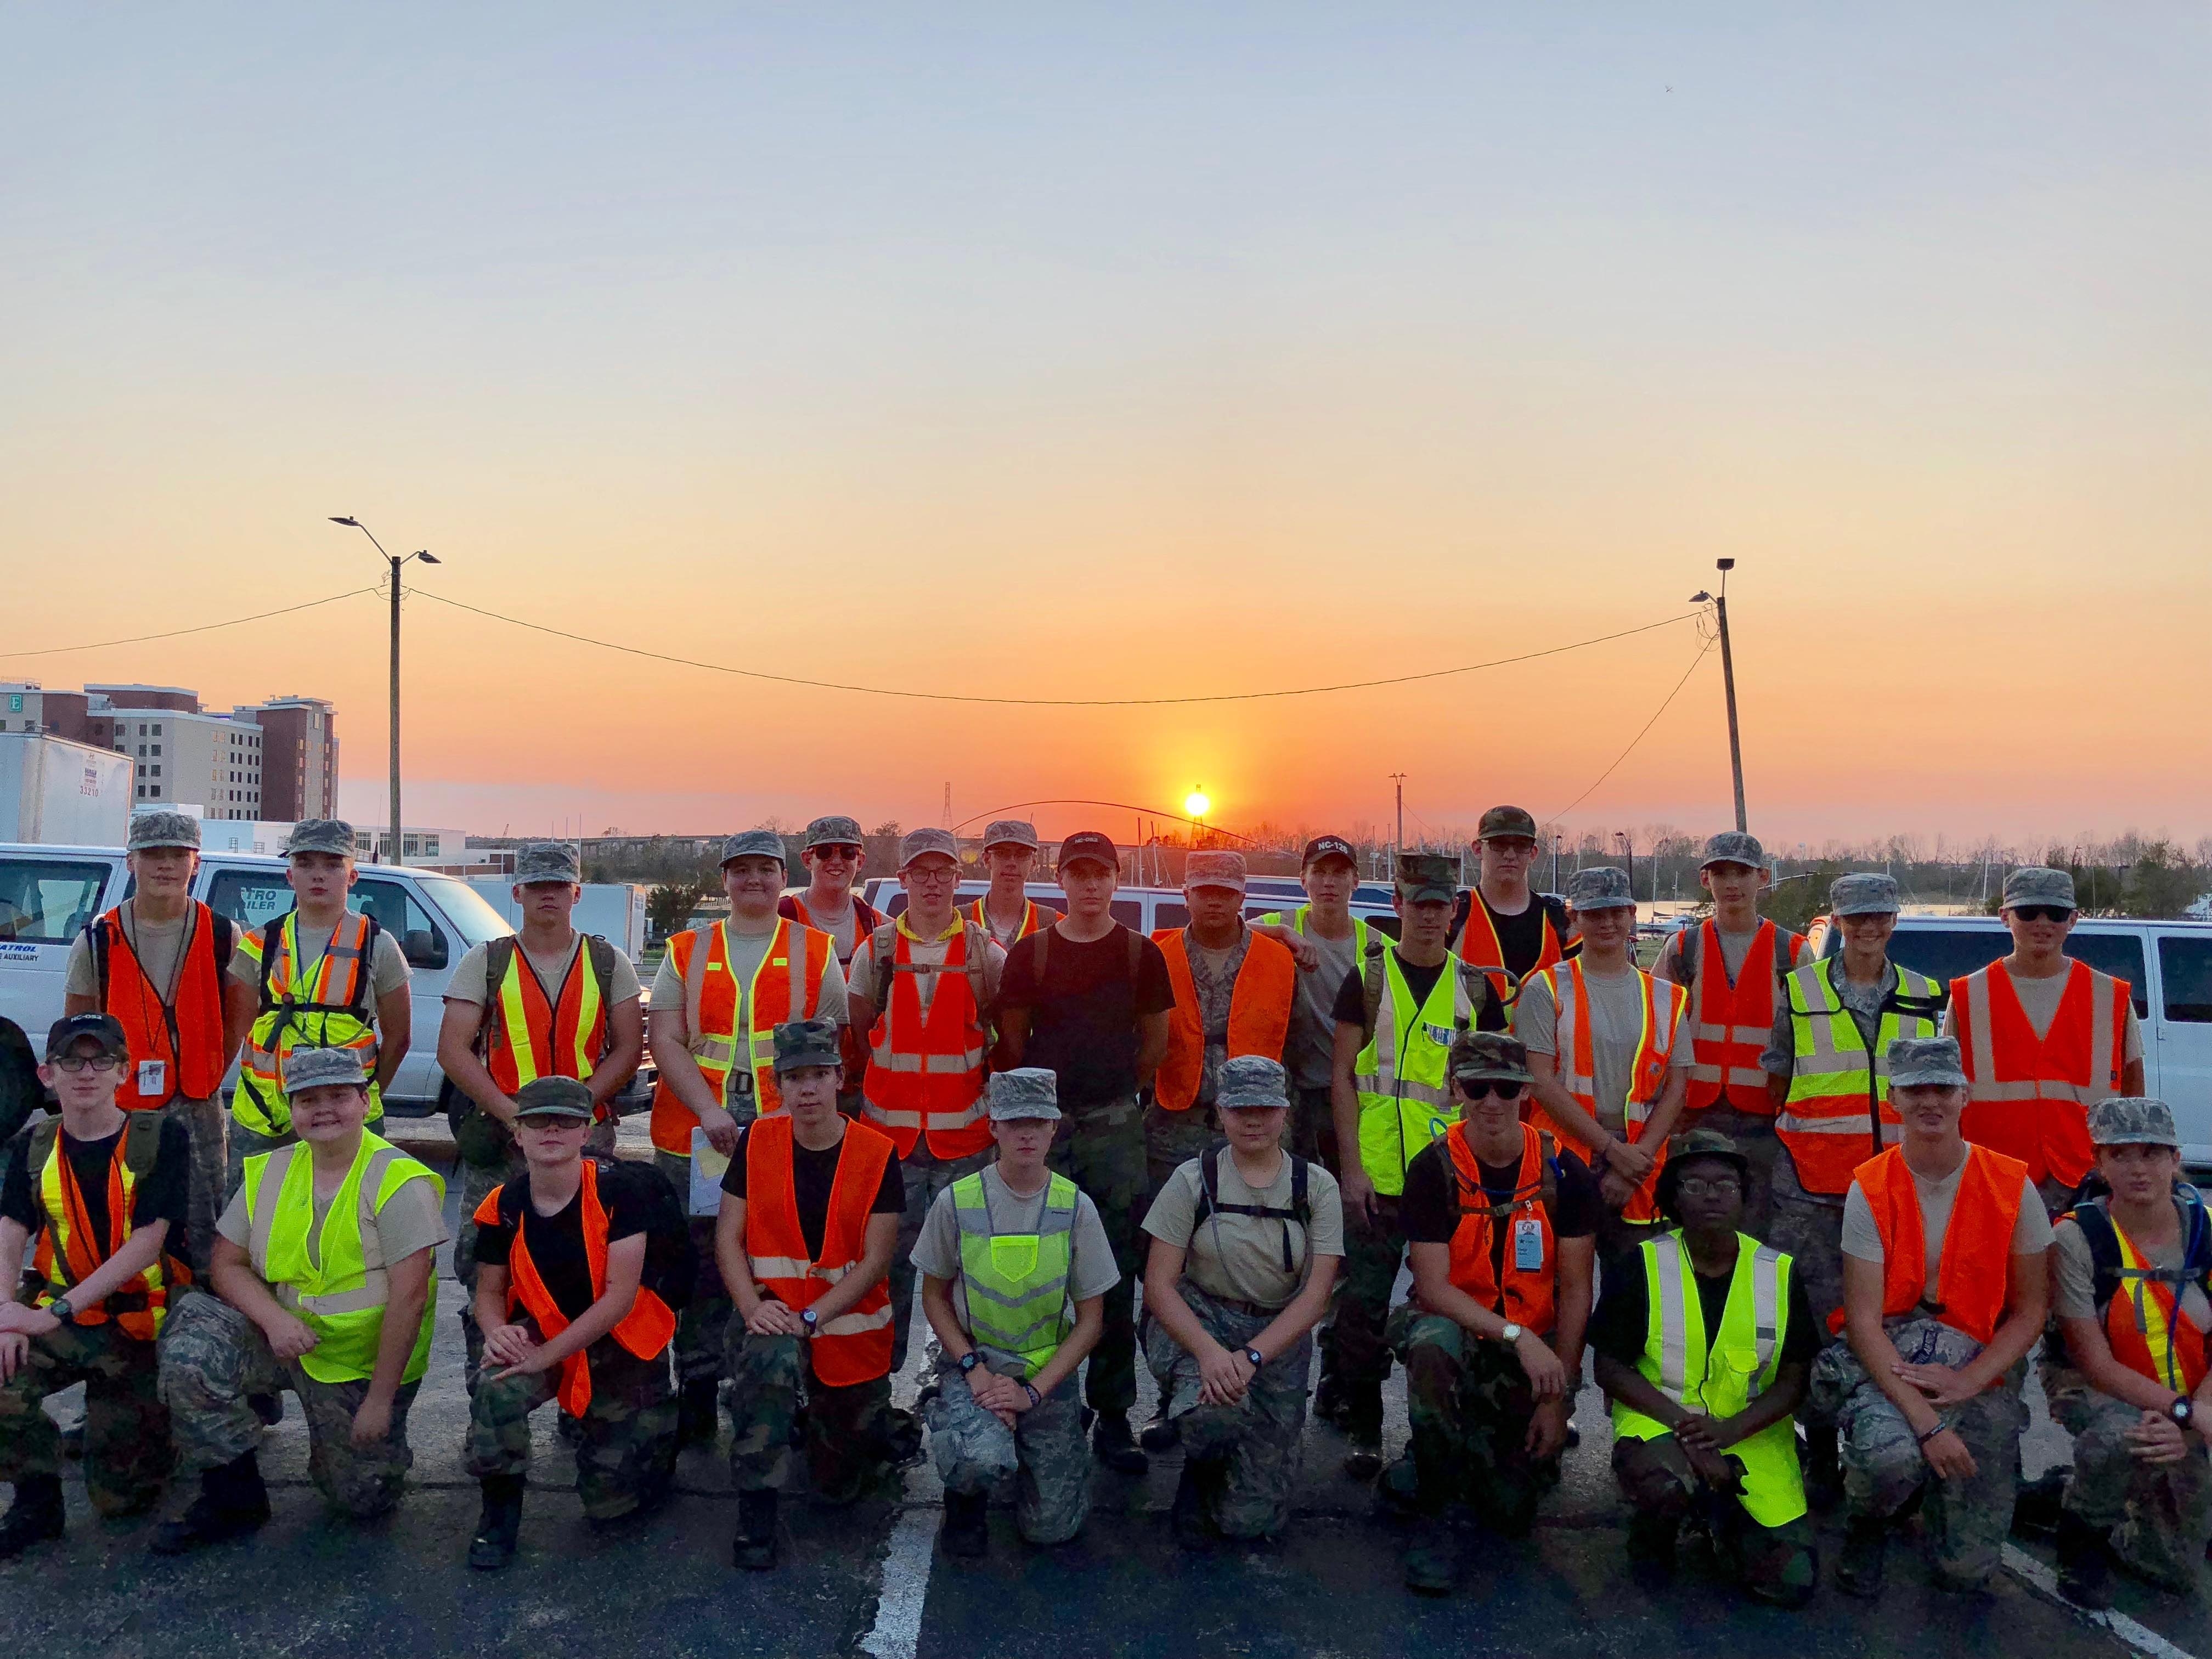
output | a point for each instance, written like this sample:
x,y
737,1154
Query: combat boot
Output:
x,y
1112,1444
2084,1562
754,1548
967,1528
493,1547
1432,1558
1866,1540
1193,1526
694,1413
233,1502
1160,1435
35,1516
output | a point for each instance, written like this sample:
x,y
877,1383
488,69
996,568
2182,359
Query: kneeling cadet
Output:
x,y
323,1286
566,1314
1015,1266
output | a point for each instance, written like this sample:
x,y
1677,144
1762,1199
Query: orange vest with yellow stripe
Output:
x,y
69,1251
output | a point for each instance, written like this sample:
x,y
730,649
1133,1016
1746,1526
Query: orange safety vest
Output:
x,y
1034,916
1731,1022
2029,1096
645,1331
856,1345
1259,1013
531,1036
1477,945
1527,1298
926,1069
1663,1003
70,1252
710,1008
865,917
187,1036
1970,1292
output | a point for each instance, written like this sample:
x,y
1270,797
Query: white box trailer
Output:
x,y
614,910
55,793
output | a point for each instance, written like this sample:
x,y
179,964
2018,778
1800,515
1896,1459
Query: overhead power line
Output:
x,y
202,627
1641,735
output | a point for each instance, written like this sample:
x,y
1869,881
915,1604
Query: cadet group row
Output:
x,y
1823,1190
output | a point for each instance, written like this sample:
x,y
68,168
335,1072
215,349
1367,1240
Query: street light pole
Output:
x,y
1398,778
1727,680
398,847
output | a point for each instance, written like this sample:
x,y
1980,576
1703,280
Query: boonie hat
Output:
x,y
321,835
754,844
2132,1121
1426,875
547,860
1734,846
1214,870
104,1029
1251,1083
1490,1056
162,828
1025,1092
1009,832
1871,893
1500,822
802,1042
1089,844
1601,887
834,830
2033,884
1695,1143
1327,847
323,1068
1926,1063
553,1096
919,843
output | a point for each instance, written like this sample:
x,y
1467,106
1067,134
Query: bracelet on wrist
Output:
x,y
1922,1439
1036,1398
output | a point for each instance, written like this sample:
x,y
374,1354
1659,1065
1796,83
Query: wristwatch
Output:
x,y
807,1318
1257,1358
969,1361
1510,1334
2182,1411
60,1308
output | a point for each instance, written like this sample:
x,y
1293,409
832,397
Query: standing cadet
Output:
x,y
1502,1229
1605,1042
1233,990
834,854
321,975
1703,1342
156,962
2131,1274
923,985
1329,871
1732,965
1391,1092
1246,1241
547,1002
721,994
1090,1001
101,1193
810,1217
567,1309
323,1285
2043,1036
1010,850
1945,1286
1015,1270
1507,929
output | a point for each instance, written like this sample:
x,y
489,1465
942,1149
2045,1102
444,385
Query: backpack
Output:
x,y
141,1146
483,1140
672,1267
364,997
883,948
1692,945
2096,1224
1547,1164
225,936
1301,1210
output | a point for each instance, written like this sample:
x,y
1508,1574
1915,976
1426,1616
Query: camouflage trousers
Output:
x,y
2159,1515
204,1122
1254,1443
850,1432
1313,1126
478,1182
1355,1355
126,1429
926,1176
703,1326
1808,1228
627,1445
215,1359
1966,1520
1774,1562
1172,1139
1754,1137
1101,1148
1468,1404
1044,1452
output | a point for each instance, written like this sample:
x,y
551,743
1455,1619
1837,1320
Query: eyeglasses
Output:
x,y
1476,1088
87,1062
1708,1187
932,875
2041,912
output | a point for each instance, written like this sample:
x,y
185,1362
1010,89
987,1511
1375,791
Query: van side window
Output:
x,y
2120,955
1130,913
251,898
1170,913
47,902
401,914
2185,967
1945,953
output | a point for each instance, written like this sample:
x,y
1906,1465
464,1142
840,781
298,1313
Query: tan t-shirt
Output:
x,y
1240,1256
158,945
412,1219
1616,1027
467,984
387,967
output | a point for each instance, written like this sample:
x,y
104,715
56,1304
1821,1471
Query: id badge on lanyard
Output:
x,y
153,1077
1528,1243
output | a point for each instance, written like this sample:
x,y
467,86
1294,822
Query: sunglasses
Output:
x,y
2041,912
1476,1088
86,1062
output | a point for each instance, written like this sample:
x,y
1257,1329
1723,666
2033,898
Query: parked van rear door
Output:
x,y
2181,1032
47,896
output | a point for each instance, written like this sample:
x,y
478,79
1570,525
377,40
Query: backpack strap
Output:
x,y
44,1133
1690,946
975,957
1547,1158
1475,980
364,985
1301,1210
2103,1252
1370,989
272,937
96,933
499,957
142,1143
225,937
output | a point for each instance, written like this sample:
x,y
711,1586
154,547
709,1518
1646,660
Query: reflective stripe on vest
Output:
x,y
534,1036
1016,1283
1722,1377
1405,1099
1528,1296
69,1251
306,1009
1970,1297
336,1284
185,1037
2029,1096
1732,1022
1259,1012
1838,1093
710,1012
856,1345
1660,1006
1032,919
925,1064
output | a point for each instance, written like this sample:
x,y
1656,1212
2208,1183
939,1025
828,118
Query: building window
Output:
x,y
157,728
142,792
157,771
157,748
142,729
155,790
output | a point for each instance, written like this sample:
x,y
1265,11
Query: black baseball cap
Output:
x,y
104,1029
1329,846
1091,844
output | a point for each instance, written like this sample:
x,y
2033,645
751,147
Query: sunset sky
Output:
x,y
1138,352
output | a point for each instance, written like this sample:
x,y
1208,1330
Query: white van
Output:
x,y
48,895
2168,964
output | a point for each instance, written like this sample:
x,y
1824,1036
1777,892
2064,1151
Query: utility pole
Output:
x,y
398,854
1555,860
1727,680
1628,852
1398,778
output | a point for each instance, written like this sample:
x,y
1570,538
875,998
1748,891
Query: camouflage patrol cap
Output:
x,y
1252,1083
1425,876
1500,822
547,860
553,1096
753,844
803,1042
1926,1063
1601,887
1477,1057
1214,870
1009,832
1687,1148
321,835
163,829
834,830
2033,884
1869,894
1026,1092
2132,1121
1734,846
920,843
323,1068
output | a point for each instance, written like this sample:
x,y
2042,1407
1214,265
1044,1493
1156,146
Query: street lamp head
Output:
x,y
430,558
356,523
1723,564
1701,598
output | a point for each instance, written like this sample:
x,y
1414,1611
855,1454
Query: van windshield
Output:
x,y
475,921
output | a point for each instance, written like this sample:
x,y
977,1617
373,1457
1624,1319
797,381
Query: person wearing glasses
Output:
x,y
835,855
919,994
1703,1379
2043,1036
1502,1228
1504,928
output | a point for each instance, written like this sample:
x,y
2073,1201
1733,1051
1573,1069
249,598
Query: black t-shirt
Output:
x,y
813,1177
1083,1015
556,1242
161,1194
1429,1210
1352,996
1623,1320
1519,938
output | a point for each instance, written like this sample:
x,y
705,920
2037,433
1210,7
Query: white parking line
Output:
x,y
2140,1637
902,1590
